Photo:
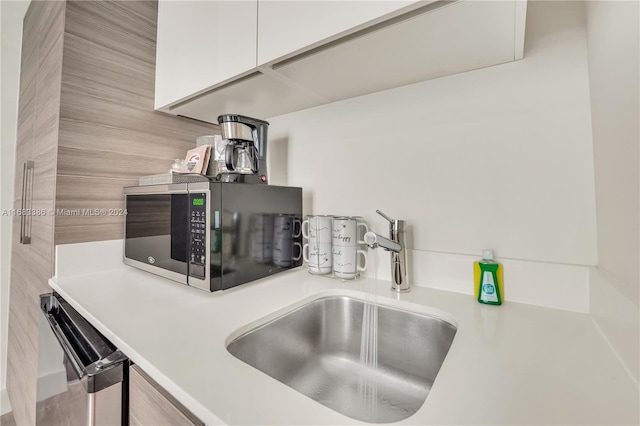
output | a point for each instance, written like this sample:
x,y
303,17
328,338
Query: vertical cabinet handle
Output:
x,y
27,195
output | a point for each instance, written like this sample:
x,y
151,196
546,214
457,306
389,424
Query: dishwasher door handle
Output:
x,y
96,363
67,348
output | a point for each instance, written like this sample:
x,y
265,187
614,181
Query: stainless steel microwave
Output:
x,y
213,235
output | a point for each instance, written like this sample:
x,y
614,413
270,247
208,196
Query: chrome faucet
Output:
x,y
396,244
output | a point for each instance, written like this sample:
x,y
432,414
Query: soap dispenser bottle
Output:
x,y
488,279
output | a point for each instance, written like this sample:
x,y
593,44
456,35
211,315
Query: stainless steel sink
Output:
x,y
372,373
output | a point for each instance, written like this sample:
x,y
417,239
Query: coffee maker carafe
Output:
x,y
246,151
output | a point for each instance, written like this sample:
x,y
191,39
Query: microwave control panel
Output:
x,y
198,234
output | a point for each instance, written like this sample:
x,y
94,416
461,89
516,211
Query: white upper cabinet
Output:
x,y
270,57
430,42
201,44
287,27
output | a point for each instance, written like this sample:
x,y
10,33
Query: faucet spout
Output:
x,y
374,240
396,245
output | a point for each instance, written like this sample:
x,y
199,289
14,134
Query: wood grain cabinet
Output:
x,y
315,52
86,128
151,405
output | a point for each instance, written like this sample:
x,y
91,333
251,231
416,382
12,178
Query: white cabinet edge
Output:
x,y
169,108
520,20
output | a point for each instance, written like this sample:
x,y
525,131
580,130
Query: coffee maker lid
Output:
x,y
241,119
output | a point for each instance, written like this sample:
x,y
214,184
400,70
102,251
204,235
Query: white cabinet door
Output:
x,y
288,27
202,44
453,38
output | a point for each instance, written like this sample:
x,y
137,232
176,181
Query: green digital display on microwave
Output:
x,y
198,202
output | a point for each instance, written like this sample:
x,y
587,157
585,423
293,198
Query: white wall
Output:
x,y
613,67
614,49
12,13
499,157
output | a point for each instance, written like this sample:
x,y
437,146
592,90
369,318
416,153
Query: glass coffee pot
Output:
x,y
242,158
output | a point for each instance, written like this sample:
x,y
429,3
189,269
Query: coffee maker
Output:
x,y
246,151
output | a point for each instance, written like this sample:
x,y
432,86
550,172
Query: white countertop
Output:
x,y
511,364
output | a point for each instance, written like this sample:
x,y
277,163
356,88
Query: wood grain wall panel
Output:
x,y
116,25
85,192
113,165
81,233
76,193
108,74
97,137
76,105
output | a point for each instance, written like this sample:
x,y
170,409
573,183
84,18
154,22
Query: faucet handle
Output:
x,y
391,221
395,225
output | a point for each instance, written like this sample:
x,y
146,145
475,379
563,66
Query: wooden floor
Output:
x,y
8,420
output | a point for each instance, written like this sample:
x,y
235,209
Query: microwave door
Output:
x,y
156,234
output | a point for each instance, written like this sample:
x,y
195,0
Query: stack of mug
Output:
x,y
334,245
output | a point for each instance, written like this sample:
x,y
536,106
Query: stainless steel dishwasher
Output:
x,y
82,377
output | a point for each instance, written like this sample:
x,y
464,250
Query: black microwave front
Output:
x,y
213,235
